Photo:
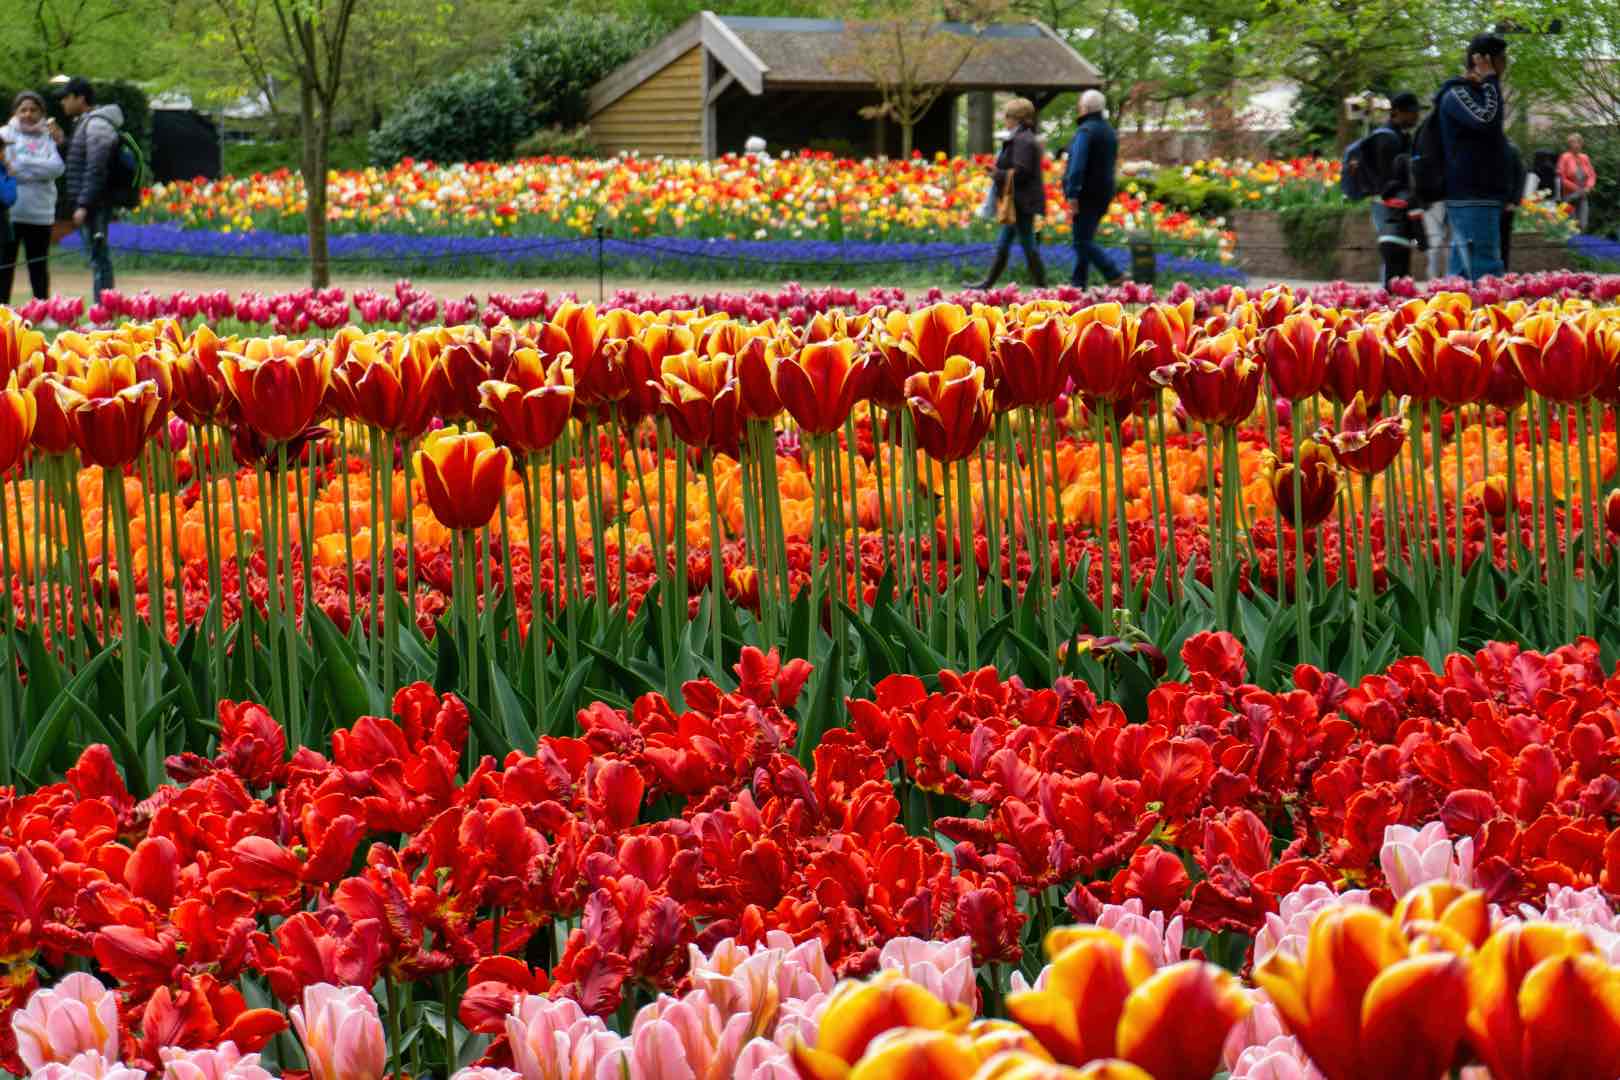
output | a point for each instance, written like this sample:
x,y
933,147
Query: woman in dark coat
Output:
x,y
1019,164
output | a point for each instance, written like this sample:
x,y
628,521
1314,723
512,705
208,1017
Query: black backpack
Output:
x,y
1429,160
127,173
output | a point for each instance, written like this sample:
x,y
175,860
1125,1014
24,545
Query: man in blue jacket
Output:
x,y
1088,185
1476,157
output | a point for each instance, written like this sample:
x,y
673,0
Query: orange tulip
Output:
x,y
527,416
1553,356
701,400
1364,448
277,389
951,409
18,412
1542,1003
1105,354
858,1012
1296,351
1318,484
917,1054
1361,1005
821,384
464,477
109,413
1033,364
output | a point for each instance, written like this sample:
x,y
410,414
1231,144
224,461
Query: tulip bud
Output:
x,y
1318,484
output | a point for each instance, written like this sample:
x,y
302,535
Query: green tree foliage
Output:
x,y
474,114
40,39
559,59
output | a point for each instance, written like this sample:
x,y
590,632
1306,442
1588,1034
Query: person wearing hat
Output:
x,y
1386,154
1476,157
89,157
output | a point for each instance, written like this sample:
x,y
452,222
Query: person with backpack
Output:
x,y
99,175
28,152
1377,167
1468,120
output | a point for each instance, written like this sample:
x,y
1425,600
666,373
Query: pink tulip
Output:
x,y
485,1072
89,1065
685,1039
342,1033
761,1060
553,1039
1259,1028
943,968
1412,857
61,1022
1280,1059
223,1063
1287,928
1163,940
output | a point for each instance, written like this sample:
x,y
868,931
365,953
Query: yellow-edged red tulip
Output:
x,y
1611,511
199,388
1176,1021
940,331
1542,1004
821,384
1554,357
1164,330
40,376
464,476
1445,916
530,414
1033,363
756,364
18,411
392,385
278,385
1461,366
18,343
1368,447
701,399
1015,1065
1355,363
1318,484
1296,351
858,1012
1362,1005
951,409
110,414
1105,353
1217,380
917,1054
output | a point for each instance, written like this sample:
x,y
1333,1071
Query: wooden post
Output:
x,y
981,137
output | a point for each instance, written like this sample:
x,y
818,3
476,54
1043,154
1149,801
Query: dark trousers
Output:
x,y
35,242
93,234
1086,251
1023,230
1507,240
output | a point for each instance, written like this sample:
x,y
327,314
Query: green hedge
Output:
x,y
1192,195
473,115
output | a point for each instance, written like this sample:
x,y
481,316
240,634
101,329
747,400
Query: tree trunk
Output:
x,y
316,125
906,129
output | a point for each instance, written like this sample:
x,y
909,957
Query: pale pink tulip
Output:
x,y
1586,909
90,1065
707,1044
943,968
1017,984
1280,1059
1412,857
63,1021
1286,929
484,1072
224,1062
762,1060
1163,940
800,1018
553,1039
342,1033
1260,1027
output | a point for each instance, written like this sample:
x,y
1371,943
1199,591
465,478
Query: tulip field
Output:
x,y
813,684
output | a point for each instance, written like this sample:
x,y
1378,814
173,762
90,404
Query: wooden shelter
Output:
x,y
718,79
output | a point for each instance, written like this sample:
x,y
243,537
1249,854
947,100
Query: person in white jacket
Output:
x,y
29,145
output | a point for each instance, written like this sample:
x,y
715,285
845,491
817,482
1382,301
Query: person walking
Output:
x,y
1577,178
90,153
1514,190
1018,171
1475,155
28,147
1386,155
1089,187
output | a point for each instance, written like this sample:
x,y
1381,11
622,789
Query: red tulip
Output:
x,y
109,413
701,400
821,384
1105,353
1218,382
1356,364
1555,359
277,389
1364,448
18,412
1033,364
464,477
530,413
1318,484
951,408
1296,352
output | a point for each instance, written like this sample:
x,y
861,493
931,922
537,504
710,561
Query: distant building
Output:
x,y
717,80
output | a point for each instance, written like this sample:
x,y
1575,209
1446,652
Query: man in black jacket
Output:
x,y
1385,155
1470,119
1088,185
90,152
